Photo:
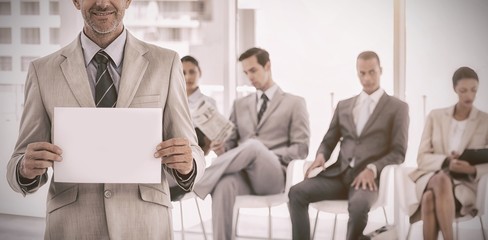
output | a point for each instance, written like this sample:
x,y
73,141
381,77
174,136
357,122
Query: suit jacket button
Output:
x,y
107,194
257,134
358,142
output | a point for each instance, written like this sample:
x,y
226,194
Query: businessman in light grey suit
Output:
x,y
105,66
271,129
372,130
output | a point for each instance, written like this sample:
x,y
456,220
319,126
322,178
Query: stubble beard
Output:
x,y
100,30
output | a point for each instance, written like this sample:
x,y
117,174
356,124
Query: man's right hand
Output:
x,y
318,162
38,157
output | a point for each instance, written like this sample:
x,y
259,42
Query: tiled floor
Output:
x,y
253,223
14,227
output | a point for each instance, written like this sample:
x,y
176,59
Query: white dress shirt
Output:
x,y
456,134
375,97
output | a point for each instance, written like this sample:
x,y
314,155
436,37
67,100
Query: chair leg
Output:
x,y
334,229
315,225
457,230
482,228
235,227
182,224
201,219
270,231
408,232
386,217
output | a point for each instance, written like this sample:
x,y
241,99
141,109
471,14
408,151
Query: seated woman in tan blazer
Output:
x,y
441,194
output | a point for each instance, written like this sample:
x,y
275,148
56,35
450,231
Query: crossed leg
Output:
x,y
438,207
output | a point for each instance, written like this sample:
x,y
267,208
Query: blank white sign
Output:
x,y
108,145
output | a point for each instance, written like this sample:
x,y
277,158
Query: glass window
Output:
x,y
5,35
30,35
5,63
5,8
25,61
29,8
54,8
54,35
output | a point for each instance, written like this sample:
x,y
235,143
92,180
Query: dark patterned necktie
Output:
x,y
264,105
105,93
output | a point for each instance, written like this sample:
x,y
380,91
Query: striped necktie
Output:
x,y
263,106
105,93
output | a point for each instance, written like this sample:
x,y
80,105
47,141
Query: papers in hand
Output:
x,y
107,145
214,125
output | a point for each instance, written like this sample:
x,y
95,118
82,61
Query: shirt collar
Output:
x,y
115,49
269,93
195,95
375,96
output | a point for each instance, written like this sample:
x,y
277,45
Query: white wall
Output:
x,y
313,45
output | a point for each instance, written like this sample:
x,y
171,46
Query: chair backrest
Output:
x,y
405,188
482,195
290,175
385,183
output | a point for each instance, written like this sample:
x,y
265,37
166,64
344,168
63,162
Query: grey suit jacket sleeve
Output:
x,y
299,134
332,137
34,127
398,138
177,121
233,139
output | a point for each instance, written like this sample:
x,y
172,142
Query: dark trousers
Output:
x,y
323,187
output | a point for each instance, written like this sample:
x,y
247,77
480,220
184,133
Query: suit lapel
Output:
x,y
446,129
74,71
376,112
274,103
134,67
350,114
471,125
251,104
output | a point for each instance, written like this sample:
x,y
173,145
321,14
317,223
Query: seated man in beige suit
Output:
x,y
105,66
372,130
271,129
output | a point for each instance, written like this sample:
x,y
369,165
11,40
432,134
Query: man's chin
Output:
x,y
103,30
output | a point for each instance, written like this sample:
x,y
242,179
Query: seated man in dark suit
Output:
x,y
372,128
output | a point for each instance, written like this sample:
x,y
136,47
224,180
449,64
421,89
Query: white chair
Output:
x,y
406,195
268,201
340,206
190,195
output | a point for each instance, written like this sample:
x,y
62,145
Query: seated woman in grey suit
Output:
x,y
441,194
